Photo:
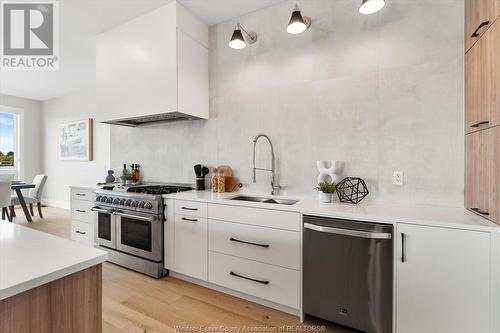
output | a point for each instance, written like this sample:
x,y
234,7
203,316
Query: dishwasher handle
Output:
x,y
348,232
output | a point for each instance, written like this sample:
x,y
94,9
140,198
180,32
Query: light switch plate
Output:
x,y
397,178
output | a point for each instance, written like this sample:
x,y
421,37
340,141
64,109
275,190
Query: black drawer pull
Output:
x,y
247,278
480,123
249,243
190,220
80,211
188,208
475,33
81,232
480,212
81,194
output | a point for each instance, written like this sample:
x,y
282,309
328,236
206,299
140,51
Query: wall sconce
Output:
x,y
238,41
371,6
298,23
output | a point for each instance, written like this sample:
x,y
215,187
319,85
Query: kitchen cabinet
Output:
x,y
442,280
191,245
482,176
82,217
153,66
482,82
479,16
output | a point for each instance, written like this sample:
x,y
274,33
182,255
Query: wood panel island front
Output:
x,y
48,284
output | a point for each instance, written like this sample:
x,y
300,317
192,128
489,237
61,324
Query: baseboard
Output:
x,y
238,294
56,203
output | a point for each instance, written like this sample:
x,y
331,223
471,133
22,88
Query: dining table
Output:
x,y
18,186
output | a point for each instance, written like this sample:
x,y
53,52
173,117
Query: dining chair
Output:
x,y
34,196
5,188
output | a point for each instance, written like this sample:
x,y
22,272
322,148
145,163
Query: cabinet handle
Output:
x,y
190,220
475,33
403,247
246,242
81,232
480,123
247,278
188,208
80,211
81,194
479,211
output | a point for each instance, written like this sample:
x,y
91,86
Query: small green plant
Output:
x,y
127,176
326,186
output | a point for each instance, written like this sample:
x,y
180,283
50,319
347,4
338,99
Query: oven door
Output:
x,y
140,235
105,227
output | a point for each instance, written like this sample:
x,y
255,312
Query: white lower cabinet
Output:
x,y
442,280
276,284
191,249
82,233
82,217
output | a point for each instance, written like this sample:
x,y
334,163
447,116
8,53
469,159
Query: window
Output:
x,y
10,152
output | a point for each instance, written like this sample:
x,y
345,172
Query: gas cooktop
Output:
x,y
158,189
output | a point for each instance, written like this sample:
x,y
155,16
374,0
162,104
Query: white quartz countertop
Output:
x,y
432,215
30,258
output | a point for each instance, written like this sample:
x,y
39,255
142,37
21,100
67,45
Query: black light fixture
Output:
x,y
298,23
238,41
371,6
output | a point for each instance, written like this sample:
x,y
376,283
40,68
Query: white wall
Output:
x,y
61,174
381,92
32,133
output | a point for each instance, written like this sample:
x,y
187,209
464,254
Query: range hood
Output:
x,y
144,120
153,68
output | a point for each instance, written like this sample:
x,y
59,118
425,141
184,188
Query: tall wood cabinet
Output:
x,y
482,108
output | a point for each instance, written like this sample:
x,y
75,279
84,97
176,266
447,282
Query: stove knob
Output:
x,y
109,200
128,203
141,204
116,201
104,198
123,201
98,198
134,203
148,205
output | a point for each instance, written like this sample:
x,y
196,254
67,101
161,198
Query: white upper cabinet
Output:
x,y
153,67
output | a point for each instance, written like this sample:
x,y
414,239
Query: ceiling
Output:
x,y
81,20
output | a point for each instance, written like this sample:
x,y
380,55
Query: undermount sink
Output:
x,y
265,200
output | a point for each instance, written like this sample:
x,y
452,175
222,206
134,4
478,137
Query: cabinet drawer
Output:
x,y
81,194
82,233
255,216
81,211
191,208
190,238
276,284
271,246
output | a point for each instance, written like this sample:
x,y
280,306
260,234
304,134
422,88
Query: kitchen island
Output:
x,y
48,284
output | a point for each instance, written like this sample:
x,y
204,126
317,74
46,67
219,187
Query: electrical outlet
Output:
x,y
397,178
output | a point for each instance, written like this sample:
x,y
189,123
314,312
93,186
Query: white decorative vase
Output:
x,y
325,197
329,170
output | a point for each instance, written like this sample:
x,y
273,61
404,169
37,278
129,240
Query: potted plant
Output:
x,y
326,190
126,178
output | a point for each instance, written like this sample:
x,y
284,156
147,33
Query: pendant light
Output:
x,y
238,41
298,23
371,6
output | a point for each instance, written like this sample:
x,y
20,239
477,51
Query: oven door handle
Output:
x,y
136,217
100,210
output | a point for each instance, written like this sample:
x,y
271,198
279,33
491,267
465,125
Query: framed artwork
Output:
x,y
75,140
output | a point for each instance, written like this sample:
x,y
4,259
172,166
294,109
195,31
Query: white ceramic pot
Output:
x,y
325,197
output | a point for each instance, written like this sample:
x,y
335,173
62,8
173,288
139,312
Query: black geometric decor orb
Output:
x,y
351,189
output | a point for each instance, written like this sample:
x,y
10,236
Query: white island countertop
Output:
x,y
432,215
30,258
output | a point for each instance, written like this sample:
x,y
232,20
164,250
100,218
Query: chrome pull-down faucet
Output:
x,y
275,187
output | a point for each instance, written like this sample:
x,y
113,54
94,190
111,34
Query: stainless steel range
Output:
x,y
129,225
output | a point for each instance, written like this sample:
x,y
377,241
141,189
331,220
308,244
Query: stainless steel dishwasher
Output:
x,y
348,273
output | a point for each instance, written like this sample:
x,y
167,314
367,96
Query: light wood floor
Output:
x,y
133,302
